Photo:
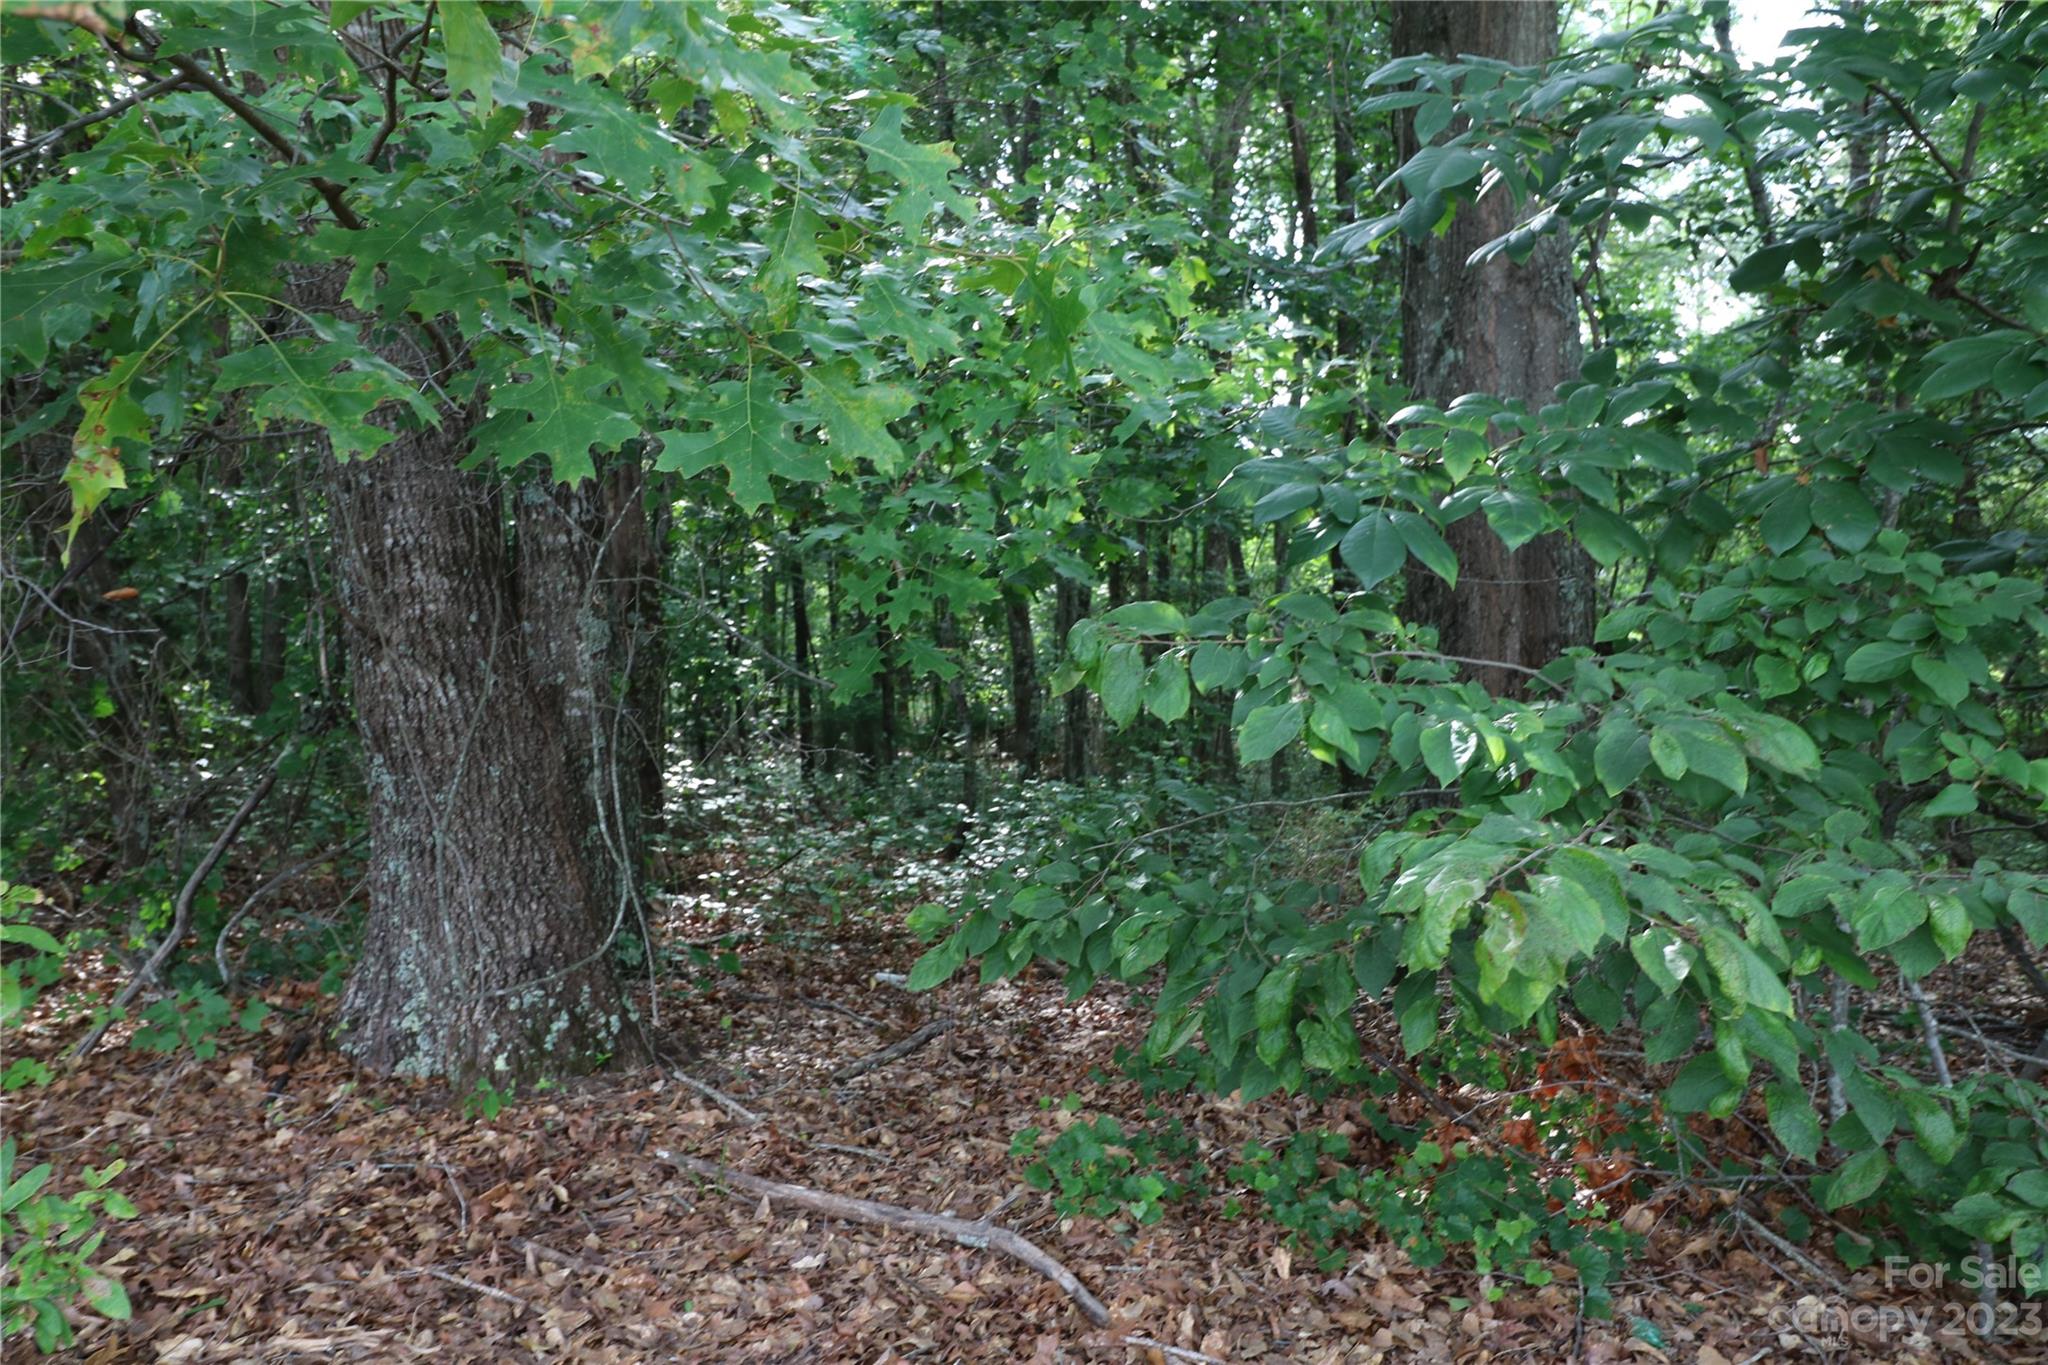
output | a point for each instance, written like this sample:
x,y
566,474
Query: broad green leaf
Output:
x,y
1783,745
921,169
1166,688
1710,751
749,435
1957,798
1217,665
1373,548
1268,730
38,939
1857,1179
1943,679
1668,752
1123,682
1844,514
470,46
1427,545
1793,1119
553,415
1148,618
1879,660
1620,754
856,416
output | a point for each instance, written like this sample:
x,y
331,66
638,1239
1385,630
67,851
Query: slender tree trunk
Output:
x,y
270,652
480,678
1071,602
241,644
800,626
1023,680
1497,328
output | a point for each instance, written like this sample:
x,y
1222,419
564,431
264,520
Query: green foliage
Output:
x,y
1496,1204
48,1240
194,1018
1105,1171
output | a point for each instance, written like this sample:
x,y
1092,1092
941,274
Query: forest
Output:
x,y
944,680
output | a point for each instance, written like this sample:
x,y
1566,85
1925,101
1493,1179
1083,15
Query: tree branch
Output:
x,y
978,1233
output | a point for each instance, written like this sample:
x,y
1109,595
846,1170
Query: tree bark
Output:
x,y
1023,680
1500,328
480,667
1071,603
800,627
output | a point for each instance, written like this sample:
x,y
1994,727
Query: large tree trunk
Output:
x,y
501,839
1498,328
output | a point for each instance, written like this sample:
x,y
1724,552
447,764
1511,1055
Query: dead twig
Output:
x,y
1172,1352
716,1096
503,1296
975,1233
1804,1261
563,1258
901,1048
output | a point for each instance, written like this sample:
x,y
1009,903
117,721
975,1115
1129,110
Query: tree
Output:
x,y
1503,327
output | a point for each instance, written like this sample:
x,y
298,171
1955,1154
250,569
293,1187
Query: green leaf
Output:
x,y
1793,1119
1710,752
105,1294
334,385
470,46
1858,1178
1785,522
921,168
1268,730
1957,798
1879,660
886,313
1620,754
1373,549
749,435
856,416
552,415
1943,679
1166,688
1428,547
38,939
1123,682
1668,752
1148,618
937,964
1217,665
1783,745
1841,510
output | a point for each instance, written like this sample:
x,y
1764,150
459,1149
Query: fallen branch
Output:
x,y
716,1096
977,1233
1805,1262
901,1048
1172,1352
487,1291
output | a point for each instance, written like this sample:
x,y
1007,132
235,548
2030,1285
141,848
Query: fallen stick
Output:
x,y
1804,1261
977,1233
717,1096
901,1048
1172,1352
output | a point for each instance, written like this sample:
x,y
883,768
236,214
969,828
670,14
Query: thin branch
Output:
x,y
896,1050
120,106
181,916
977,1233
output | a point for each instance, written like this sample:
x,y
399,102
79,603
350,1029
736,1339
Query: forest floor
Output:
x,y
293,1209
